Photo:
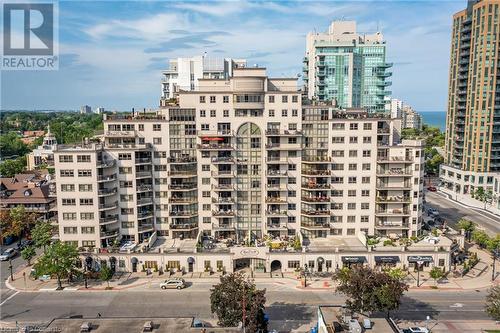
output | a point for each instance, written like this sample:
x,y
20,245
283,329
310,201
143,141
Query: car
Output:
x,y
416,330
8,254
24,244
174,283
432,189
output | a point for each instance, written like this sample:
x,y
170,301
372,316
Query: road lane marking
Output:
x,y
457,305
8,298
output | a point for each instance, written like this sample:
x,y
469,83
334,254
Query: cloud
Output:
x,y
222,8
187,42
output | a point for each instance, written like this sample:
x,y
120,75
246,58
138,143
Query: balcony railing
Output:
x,y
183,213
106,164
223,212
182,173
214,146
107,191
143,160
109,219
395,159
277,173
109,233
316,199
109,206
107,178
275,200
313,186
190,186
143,174
316,172
321,212
225,159
277,212
144,215
317,159
396,199
278,132
183,226
223,173
221,200
143,188
181,159
395,212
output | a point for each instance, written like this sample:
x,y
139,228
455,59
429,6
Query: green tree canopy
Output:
x,y
59,259
10,168
11,145
42,234
370,291
15,221
106,274
227,299
493,303
28,253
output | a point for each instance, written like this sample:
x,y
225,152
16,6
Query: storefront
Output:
x,y
420,262
352,261
386,261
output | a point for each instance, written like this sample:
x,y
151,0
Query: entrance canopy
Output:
x,y
386,259
354,259
420,258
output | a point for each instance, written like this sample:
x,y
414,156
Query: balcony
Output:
x,y
223,226
395,159
277,160
145,201
106,192
183,226
316,212
283,146
223,173
277,187
392,212
144,188
315,186
106,164
223,200
316,172
109,233
145,227
276,200
392,225
109,206
393,199
103,179
315,226
277,213
384,131
277,226
176,200
223,160
108,219
120,134
316,199
219,133
182,173
277,173
223,213
143,174
181,160
144,215
278,132
143,160
394,186
223,187
316,159
215,146
394,172
183,187
183,213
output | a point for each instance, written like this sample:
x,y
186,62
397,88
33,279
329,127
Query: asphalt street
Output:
x,y
452,212
287,307
17,263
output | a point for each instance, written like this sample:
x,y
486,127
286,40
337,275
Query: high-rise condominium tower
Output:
x,y
472,150
348,67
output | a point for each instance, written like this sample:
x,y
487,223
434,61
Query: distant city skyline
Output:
x,y
112,53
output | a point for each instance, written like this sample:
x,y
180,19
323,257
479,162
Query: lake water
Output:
x,y
435,118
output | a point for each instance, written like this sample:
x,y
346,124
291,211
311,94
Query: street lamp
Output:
x,y
11,273
419,263
306,270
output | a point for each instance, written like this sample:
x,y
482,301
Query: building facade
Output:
x,y
183,73
84,109
472,146
44,154
347,67
411,118
234,171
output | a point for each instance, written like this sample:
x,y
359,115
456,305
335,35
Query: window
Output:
x,y
367,139
337,180
126,184
365,205
337,193
225,99
367,153
338,153
225,113
353,139
292,126
86,216
351,219
292,206
205,127
65,158
207,220
365,219
85,187
337,166
351,231
83,158
205,167
127,211
88,230
88,243
295,112
67,187
206,207
203,113
367,126
365,180
293,264
353,166
292,180
366,166
338,126
125,170
202,99
205,194
212,113
271,99
365,193
353,126
338,139
68,202
84,173
284,99
141,127
157,141
127,224
284,112
86,202
69,216
70,230
126,197
295,99
205,181
271,113
125,157
351,205
352,180
67,173
351,193
353,153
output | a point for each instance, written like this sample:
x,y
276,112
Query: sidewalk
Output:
x,y
478,278
465,200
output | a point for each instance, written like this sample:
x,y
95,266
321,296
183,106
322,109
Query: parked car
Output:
x,y
174,283
416,330
24,244
8,254
432,189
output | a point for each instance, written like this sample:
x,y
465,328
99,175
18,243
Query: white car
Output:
x,y
8,254
174,283
416,330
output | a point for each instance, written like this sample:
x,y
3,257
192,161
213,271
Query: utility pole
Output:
x,y
10,267
244,308
493,273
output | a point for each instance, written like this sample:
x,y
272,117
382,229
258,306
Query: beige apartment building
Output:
x,y
234,174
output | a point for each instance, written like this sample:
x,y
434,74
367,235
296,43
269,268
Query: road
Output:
x,y
288,307
452,212
17,263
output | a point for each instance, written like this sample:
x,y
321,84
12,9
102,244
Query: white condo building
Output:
x,y
240,161
184,73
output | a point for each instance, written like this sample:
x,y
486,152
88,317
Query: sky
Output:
x,y
111,53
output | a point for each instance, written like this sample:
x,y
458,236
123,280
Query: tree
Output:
x,y
433,163
468,227
106,274
10,168
436,273
484,196
15,221
59,259
28,253
493,303
227,299
370,291
12,146
397,273
42,234
481,238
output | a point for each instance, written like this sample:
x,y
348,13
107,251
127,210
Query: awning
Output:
x,y
386,259
134,260
190,260
420,258
212,139
353,259
320,260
